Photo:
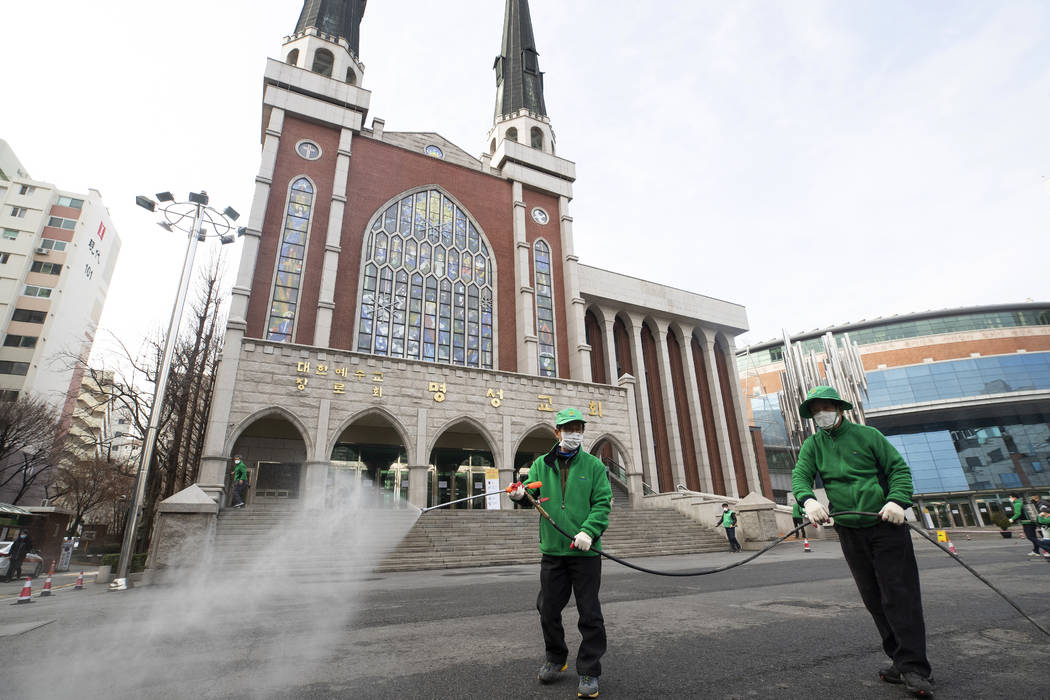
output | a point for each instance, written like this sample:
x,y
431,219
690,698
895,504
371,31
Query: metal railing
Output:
x,y
620,474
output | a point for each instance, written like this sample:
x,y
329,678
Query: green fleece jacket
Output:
x,y
240,472
580,497
860,468
1019,514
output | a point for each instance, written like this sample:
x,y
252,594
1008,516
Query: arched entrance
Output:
x,y
461,464
274,450
538,441
368,460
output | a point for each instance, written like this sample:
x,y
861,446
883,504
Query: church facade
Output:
x,y
409,316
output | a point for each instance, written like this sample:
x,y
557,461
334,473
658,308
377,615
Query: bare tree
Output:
x,y
86,485
29,433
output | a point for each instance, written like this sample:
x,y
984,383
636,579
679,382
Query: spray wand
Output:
x,y
531,485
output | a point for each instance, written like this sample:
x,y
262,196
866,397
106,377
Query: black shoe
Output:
x,y
588,687
917,685
549,671
890,674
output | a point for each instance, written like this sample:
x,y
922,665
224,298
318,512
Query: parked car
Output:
x,y
31,566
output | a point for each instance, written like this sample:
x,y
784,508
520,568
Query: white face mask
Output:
x,y
825,419
571,441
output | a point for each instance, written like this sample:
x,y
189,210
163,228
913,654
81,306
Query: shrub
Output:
x,y
1001,521
138,562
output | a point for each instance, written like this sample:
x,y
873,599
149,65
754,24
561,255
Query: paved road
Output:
x,y
789,625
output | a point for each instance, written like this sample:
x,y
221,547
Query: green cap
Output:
x,y
822,392
568,415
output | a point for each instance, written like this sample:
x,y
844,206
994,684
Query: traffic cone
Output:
x,y
80,582
951,547
47,587
51,571
805,545
27,592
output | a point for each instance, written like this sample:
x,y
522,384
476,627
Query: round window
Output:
x,y
308,150
540,216
434,151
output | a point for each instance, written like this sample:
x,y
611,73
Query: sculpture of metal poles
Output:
x,y
192,217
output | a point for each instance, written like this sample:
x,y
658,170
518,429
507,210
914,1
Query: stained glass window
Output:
x,y
290,255
427,284
545,308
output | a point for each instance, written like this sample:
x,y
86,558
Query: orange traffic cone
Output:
x,y
27,592
47,587
951,547
80,582
51,571
805,546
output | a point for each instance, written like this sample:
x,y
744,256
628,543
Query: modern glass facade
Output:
x,y
900,330
957,379
1004,453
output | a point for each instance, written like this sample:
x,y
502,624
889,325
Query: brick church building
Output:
x,y
408,316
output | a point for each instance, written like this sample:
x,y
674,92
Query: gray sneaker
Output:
x,y
588,687
917,685
890,674
549,671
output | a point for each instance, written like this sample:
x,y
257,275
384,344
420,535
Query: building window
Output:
x,y
4,257
427,284
434,151
62,222
19,341
52,244
308,150
544,308
512,134
293,57
32,290
19,212
8,395
10,234
323,62
288,277
20,368
27,316
26,189
46,268
71,202
537,137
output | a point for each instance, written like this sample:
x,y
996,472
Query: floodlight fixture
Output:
x,y
199,197
227,238
146,203
231,213
241,230
166,196
166,226
202,234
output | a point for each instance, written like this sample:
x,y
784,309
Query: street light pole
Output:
x,y
176,214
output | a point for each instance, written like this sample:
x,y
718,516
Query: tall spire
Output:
x,y
339,18
519,82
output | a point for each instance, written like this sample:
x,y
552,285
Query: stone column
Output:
x,y
417,485
524,303
609,317
976,511
575,306
674,434
212,474
332,247
696,413
645,422
506,465
315,484
635,490
718,409
737,401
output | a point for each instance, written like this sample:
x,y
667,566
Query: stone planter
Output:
x,y
104,574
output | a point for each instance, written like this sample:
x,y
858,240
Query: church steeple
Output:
x,y
327,39
338,18
521,113
519,82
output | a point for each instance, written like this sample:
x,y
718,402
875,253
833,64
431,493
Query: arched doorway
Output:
x,y
461,465
538,441
274,450
369,461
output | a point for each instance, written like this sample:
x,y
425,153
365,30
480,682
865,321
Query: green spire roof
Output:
x,y
519,82
340,18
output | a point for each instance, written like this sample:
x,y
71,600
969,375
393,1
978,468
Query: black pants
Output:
x,y
801,533
1031,533
14,568
238,492
882,561
734,546
582,577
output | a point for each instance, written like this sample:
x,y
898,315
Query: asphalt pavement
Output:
x,y
789,625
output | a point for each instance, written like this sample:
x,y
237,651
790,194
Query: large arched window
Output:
x,y
427,284
545,308
323,62
290,256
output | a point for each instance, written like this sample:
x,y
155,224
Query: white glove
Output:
x,y
582,541
816,513
892,513
518,492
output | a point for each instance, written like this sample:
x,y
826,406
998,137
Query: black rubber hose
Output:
x,y
771,545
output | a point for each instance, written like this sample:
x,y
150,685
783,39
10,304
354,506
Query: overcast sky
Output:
x,y
817,162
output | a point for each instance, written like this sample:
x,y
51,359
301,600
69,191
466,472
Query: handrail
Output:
x,y
620,473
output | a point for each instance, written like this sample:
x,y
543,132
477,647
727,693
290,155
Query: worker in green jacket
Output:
x,y
862,471
797,520
577,495
1026,519
240,482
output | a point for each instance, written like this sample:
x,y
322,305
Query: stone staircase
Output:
x,y
282,538
444,539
